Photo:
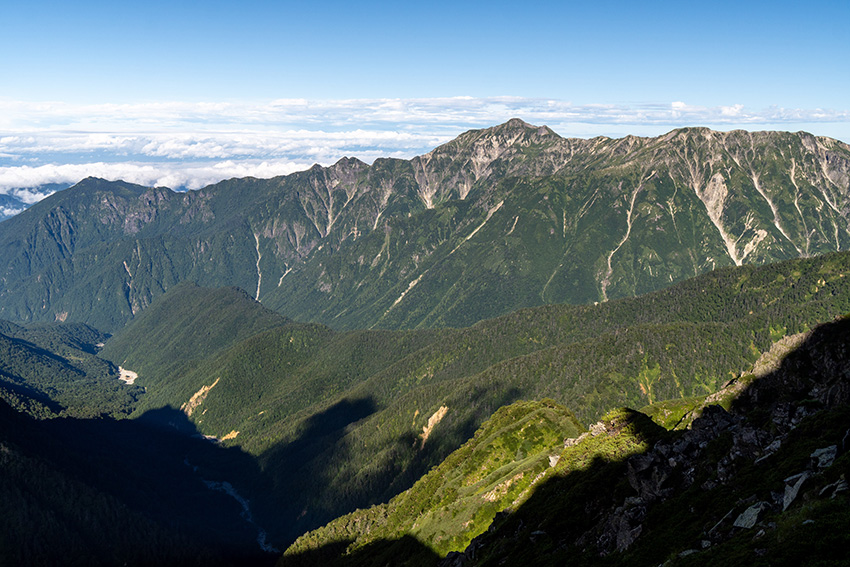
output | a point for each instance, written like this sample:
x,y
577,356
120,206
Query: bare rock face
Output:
x,y
793,485
750,516
823,458
814,370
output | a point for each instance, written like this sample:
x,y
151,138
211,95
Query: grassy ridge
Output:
x,y
458,499
676,502
520,448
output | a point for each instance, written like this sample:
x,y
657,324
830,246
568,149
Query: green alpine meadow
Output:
x,y
515,349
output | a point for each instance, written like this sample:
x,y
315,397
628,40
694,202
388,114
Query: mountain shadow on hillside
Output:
x,y
288,474
758,479
219,501
106,492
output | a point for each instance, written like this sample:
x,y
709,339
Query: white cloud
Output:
x,y
417,117
191,176
9,211
317,145
323,131
28,195
183,144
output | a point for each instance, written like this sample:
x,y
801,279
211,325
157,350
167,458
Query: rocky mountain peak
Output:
x,y
517,123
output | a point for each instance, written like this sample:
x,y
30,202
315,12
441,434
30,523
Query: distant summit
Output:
x,y
497,219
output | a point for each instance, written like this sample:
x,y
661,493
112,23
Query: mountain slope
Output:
x,y
747,485
50,369
189,325
502,218
107,492
762,481
337,418
458,499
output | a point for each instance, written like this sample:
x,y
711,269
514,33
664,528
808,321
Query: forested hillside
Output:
x,y
53,369
337,418
498,219
106,492
757,477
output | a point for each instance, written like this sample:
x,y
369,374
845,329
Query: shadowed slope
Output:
x,y
262,392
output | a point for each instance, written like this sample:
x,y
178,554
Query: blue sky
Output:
x,y
183,93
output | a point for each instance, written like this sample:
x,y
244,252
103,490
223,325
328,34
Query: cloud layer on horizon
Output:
x,y
190,145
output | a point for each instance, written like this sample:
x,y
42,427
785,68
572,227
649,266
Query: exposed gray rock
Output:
x,y
597,428
770,449
792,488
748,518
823,458
572,441
453,559
771,360
714,419
647,474
835,488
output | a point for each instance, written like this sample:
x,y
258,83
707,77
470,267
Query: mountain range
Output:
x,y
431,360
498,219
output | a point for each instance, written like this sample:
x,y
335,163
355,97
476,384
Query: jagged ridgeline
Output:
x,y
346,419
497,219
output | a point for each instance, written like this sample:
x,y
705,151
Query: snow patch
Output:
x,y
259,273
